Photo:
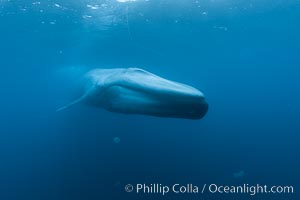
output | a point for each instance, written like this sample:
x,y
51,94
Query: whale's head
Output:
x,y
136,91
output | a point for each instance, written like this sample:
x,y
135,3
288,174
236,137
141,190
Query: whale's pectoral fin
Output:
x,y
76,100
71,104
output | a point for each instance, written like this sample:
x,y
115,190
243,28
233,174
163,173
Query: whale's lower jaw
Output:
x,y
124,100
172,111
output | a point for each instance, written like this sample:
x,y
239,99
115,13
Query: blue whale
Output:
x,y
136,91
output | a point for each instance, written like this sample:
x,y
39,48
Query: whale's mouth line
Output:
x,y
161,94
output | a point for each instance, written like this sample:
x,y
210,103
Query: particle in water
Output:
x,y
239,174
57,5
86,16
117,140
93,7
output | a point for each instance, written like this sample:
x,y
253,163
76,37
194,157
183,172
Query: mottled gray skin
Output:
x,y
136,91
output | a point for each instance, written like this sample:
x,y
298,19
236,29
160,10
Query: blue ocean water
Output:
x,y
243,55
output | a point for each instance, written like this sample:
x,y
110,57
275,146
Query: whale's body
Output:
x,y
136,91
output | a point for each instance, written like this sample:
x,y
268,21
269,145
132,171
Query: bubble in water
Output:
x,y
124,1
117,140
239,174
117,183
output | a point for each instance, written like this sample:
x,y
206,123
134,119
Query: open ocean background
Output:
x,y
243,55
